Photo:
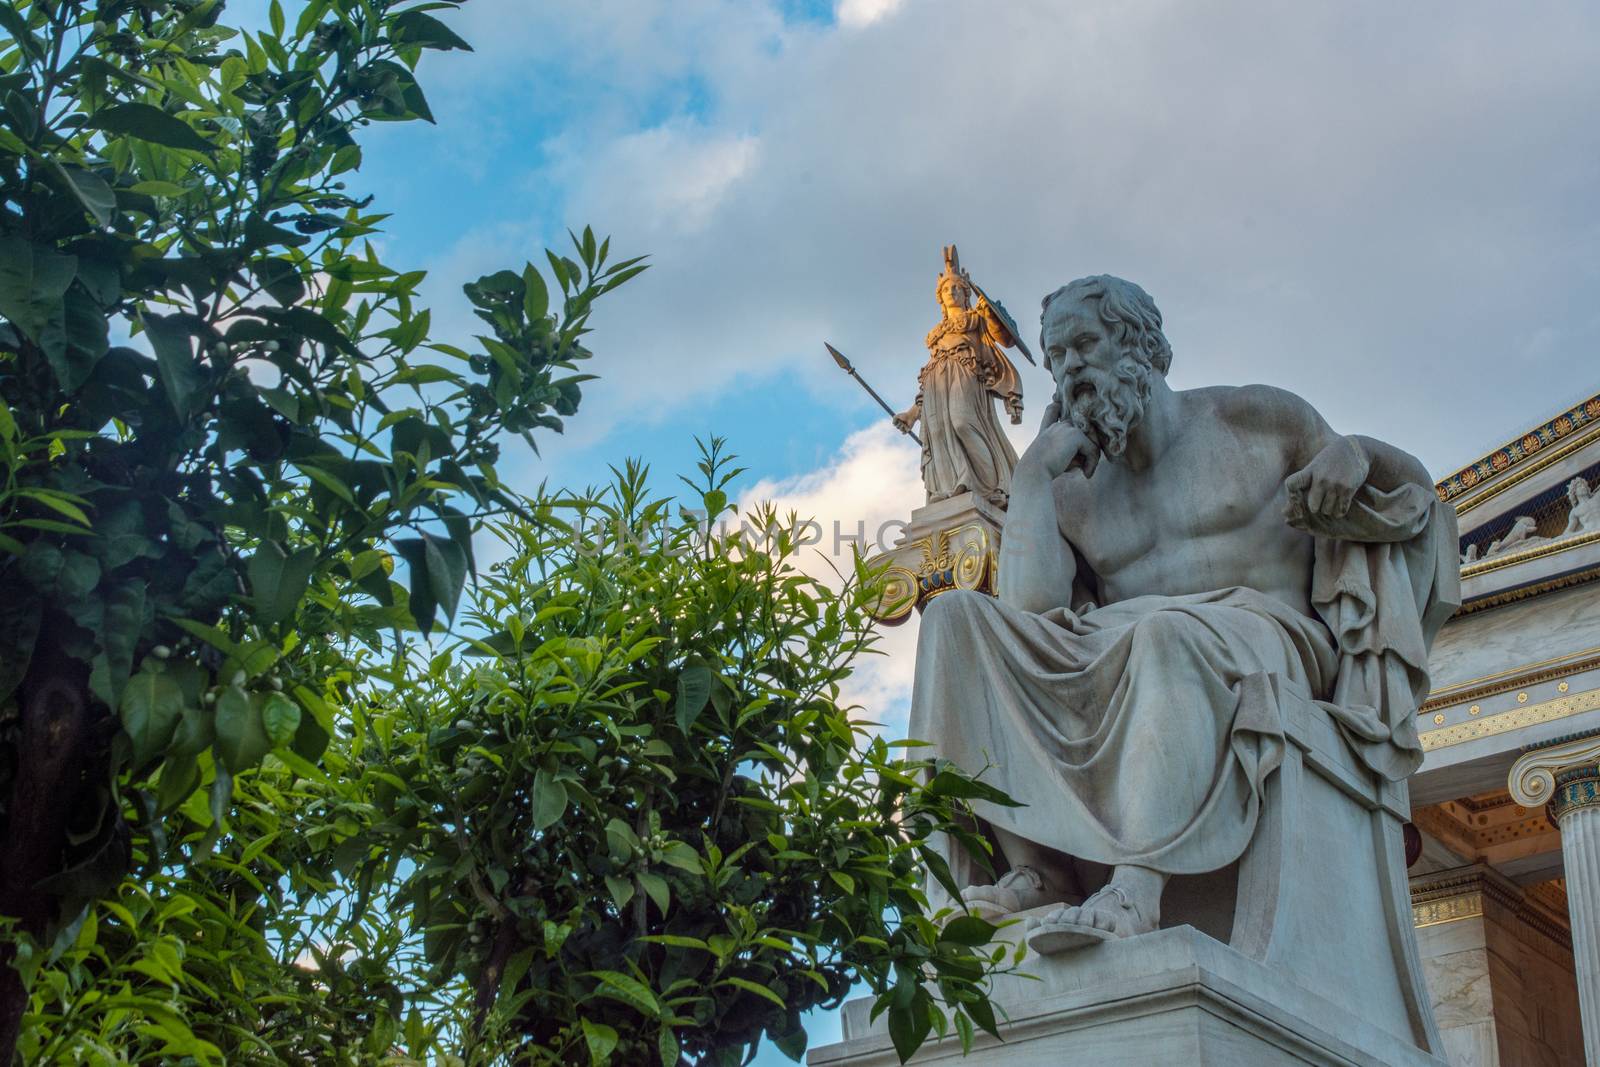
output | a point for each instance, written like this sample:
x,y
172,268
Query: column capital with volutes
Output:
x,y
1564,777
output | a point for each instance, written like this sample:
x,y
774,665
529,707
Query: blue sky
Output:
x,y
1389,209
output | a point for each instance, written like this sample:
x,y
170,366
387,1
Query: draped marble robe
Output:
x,y
964,446
1143,731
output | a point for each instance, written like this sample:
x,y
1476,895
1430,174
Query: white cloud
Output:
x,y
675,174
871,485
1374,206
857,13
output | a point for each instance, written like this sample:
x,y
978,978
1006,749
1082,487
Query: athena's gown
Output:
x,y
963,444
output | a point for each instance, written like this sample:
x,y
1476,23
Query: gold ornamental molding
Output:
x,y
1577,420
1448,910
1523,592
960,557
1530,715
1465,893
1545,670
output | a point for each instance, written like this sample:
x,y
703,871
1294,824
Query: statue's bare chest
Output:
x,y
1201,519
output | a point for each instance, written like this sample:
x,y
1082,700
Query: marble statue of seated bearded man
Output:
x,y
1155,594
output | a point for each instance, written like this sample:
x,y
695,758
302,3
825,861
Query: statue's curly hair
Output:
x,y
1126,311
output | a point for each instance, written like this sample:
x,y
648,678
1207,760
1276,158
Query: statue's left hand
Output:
x,y
1327,485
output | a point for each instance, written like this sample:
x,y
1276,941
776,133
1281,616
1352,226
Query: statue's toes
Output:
x,y
989,900
1063,914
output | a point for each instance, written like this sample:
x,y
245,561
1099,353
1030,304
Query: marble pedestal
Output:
x,y
953,544
1173,998
1302,951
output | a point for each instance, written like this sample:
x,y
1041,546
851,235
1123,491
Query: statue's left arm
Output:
x,y
994,326
1004,381
1329,468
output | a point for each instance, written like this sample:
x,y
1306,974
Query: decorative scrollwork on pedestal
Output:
x,y
899,596
959,557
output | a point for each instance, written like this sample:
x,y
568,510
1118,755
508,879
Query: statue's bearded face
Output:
x,y
1101,384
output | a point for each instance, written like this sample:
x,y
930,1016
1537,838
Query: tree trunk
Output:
x,y
51,754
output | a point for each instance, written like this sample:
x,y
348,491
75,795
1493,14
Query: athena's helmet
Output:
x,y
954,278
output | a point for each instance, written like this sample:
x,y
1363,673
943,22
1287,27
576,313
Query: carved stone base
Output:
x,y
1168,998
954,544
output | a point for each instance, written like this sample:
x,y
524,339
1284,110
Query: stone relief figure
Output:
x,y
1584,515
1175,569
1521,535
963,445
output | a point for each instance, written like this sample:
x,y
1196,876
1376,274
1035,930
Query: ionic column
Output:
x,y
1566,778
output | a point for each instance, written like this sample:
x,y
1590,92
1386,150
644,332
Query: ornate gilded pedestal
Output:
x,y
954,544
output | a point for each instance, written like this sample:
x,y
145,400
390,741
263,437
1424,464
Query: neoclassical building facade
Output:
x,y
1505,861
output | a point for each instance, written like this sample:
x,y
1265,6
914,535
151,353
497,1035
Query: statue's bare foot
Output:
x,y
1021,888
1105,916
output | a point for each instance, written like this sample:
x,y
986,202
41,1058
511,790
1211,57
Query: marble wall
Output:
x,y
1499,972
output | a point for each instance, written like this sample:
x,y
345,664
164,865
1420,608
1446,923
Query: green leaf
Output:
x,y
844,881
655,887
792,1044
536,296
601,1040
964,1031
33,281
908,1029
667,1046
958,785
420,30
151,705
753,987
91,191
278,580
423,604
121,624
241,738
157,188
13,22
629,990
682,855
148,124
621,890
967,930
549,800
181,374
280,279
982,1013
447,571
221,799
620,840
694,689
280,718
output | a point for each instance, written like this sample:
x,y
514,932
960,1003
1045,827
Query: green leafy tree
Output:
x,y
224,419
634,818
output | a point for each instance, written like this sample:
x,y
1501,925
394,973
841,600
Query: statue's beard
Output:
x,y
1106,408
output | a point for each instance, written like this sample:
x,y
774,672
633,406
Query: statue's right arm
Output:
x,y
1036,561
908,418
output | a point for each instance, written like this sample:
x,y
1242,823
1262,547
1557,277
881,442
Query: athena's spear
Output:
x,y
844,365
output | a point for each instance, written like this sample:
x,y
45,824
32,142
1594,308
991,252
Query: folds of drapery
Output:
x,y
1385,579
1144,731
